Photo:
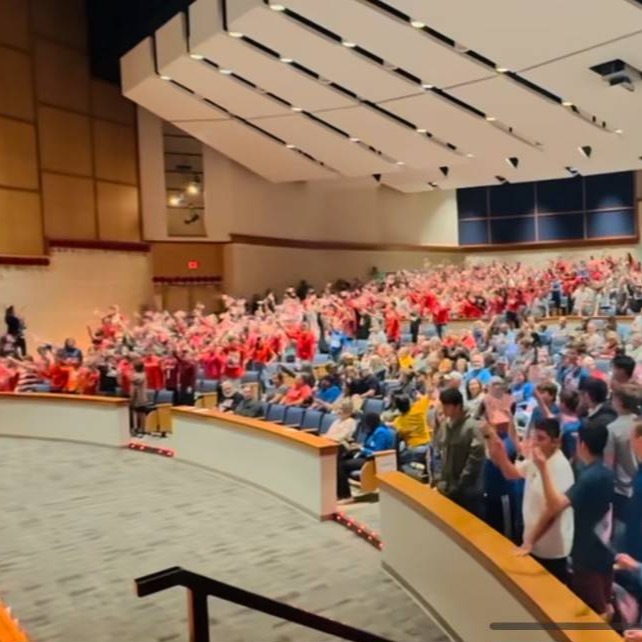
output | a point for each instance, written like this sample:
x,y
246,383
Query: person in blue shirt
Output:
x,y
569,422
336,341
327,393
571,375
478,370
378,437
522,389
546,394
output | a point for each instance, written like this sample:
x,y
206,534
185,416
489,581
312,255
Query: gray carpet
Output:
x,y
79,523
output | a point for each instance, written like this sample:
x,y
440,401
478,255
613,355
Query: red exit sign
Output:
x,y
193,265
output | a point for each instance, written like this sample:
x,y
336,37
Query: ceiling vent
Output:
x,y
618,73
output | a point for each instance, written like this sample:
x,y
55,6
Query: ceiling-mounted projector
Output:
x,y
618,73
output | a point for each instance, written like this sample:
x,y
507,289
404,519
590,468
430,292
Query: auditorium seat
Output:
x,y
312,420
326,421
372,405
41,387
390,385
251,376
294,416
276,413
207,385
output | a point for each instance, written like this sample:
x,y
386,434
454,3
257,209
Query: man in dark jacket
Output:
x,y
249,406
463,454
594,394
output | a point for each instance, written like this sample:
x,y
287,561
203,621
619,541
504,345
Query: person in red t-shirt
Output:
x,y
440,317
306,344
153,372
393,326
298,394
234,360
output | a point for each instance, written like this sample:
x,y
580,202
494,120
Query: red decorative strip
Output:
x,y
146,448
113,246
372,537
187,279
24,260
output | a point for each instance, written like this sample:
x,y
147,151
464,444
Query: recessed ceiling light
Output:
x,y
290,146
277,7
619,131
427,86
501,70
354,139
226,72
296,108
195,56
348,44
417,24
400,163
166,78
325,81
235,34
421,130
567,103
491,119
470,155
287,61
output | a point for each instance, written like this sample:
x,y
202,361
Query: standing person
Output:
x,y
461,477
552,549
593,395
633,534
618,454
591,498
186,379
415,324
16,328
138,398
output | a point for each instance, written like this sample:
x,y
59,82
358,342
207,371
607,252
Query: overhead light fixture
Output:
x,y
176,200
491,119
195,56
166,78
277,7
297,109
421,130
226,72
194,187
400,163
348,44
470,155
290,146
567,103
287,61
325,81
619,131
417,24
427,86
235,34
501,70
354,139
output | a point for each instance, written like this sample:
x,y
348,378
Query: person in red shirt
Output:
x,y
125,374
153,372
186,367
440,317
306,344
234,360
393,326
298,394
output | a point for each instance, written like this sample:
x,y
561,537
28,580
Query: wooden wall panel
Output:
x,y
63,21
69,207
14,23
20,224
118,212
107,102
65,142
115,152
16,84
18,155
62,76
170,259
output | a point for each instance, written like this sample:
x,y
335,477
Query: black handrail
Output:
x,y
200,587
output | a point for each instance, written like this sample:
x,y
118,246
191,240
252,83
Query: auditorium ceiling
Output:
x,y
424,94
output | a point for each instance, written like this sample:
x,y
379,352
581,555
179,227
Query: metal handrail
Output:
x,y
200,588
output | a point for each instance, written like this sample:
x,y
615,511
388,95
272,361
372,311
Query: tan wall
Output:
x,y
62,299
68,152
251,269
171,259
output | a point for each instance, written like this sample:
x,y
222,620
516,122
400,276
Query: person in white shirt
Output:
x,y
554,547
345,425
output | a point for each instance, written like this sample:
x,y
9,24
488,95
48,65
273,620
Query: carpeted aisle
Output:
x,y
79,523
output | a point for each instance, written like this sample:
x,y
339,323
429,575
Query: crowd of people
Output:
x,y
525,419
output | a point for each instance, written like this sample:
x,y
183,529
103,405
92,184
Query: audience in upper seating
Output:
x,y
557,402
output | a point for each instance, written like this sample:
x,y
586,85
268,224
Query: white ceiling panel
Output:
x,y
378,32
256,151
225,90
518,34
325,57
408,181
141,84
336,151
399,142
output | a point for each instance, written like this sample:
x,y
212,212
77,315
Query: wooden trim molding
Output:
x,y
56,397
92,244
537,590
24,261
262,428
270,241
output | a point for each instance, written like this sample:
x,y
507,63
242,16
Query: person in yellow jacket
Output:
x,y
412,426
